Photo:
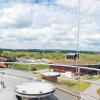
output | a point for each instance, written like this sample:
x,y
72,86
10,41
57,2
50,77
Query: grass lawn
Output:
x,y
20,67
94,77
42,67
83,86
73,84
26,68
98,91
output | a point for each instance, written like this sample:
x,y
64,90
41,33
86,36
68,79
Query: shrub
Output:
x,y
33,69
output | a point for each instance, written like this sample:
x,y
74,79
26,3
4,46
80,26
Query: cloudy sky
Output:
x,y
49,24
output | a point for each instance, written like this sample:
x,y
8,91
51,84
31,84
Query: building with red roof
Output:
x,y
64,66
3,65
3,59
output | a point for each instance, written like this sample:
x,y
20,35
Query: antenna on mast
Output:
x,y
78,32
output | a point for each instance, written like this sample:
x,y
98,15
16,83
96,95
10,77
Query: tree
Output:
x,y
1,51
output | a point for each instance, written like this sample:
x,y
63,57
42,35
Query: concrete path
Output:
x,y
91,92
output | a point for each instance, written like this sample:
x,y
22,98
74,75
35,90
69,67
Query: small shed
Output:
x,y
72,56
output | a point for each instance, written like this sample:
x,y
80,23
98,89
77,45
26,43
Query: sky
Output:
x,y
49,24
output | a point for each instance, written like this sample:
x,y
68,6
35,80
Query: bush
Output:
x,y
33,69
98,91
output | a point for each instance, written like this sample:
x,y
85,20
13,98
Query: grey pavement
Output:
x,y
13,78
91,92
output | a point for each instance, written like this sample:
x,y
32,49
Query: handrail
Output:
x,y
53,64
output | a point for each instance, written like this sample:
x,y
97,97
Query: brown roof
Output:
x,y
2,65
74,62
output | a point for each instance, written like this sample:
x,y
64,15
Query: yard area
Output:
x,y
70,83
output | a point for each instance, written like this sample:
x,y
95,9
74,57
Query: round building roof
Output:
x,y
34,89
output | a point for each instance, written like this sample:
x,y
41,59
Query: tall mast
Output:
x,y
78,33
78,25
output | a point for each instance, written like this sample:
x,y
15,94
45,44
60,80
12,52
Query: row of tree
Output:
x,y
11,55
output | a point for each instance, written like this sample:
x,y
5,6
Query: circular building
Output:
x,y
34,90
50,76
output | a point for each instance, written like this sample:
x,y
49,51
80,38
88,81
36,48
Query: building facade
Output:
x,y
70,67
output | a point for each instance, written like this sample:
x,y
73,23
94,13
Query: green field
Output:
x,y
92,57
48,55
34,55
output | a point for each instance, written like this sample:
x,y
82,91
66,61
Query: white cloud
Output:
x,y
15,14
87,6
90,6
72,3
25,25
